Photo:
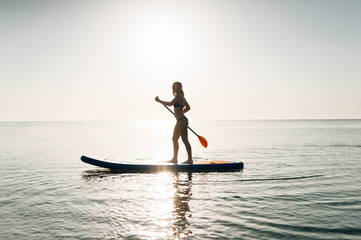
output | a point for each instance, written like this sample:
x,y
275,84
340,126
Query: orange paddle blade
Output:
x,y
203,141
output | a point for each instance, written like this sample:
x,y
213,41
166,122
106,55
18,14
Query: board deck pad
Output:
x,y
210,162
197,166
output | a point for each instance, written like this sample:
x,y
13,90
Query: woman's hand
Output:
x,y
156,99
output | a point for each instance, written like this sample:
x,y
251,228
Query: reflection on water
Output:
x,y
181,212
166,203
96,174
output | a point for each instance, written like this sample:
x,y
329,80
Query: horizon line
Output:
x,y
159,119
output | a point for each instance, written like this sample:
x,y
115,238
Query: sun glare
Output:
x,y
161,43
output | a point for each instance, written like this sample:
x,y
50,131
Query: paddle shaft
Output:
x,y
188,126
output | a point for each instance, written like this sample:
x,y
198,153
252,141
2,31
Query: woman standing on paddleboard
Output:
x,y
181,106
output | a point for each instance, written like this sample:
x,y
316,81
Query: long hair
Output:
x,y
178,88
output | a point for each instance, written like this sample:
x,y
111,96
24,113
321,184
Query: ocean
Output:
x,y
301,180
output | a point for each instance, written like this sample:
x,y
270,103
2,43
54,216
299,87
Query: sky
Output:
x,y
108,60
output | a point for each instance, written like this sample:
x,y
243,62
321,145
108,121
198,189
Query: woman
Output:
x,y
181,106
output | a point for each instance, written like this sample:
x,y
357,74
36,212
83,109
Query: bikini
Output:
x,y
176,105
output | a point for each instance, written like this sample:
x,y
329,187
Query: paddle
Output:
x,y
201,139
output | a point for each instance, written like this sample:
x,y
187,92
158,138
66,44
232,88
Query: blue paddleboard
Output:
x,y
198,166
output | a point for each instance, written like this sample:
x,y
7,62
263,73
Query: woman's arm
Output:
x,y
187,107
164,102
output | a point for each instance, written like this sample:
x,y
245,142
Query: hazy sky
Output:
x,y
74,60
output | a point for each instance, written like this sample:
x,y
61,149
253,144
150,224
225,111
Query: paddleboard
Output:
x,y
200,166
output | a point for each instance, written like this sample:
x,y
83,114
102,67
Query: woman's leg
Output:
x,y
176,135
184,135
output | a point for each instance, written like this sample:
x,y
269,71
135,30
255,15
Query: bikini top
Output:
x,y
176,105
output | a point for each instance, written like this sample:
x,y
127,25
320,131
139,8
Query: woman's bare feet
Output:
x,y
175,161
188,162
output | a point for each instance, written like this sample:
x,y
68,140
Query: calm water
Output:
x,y
301,181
